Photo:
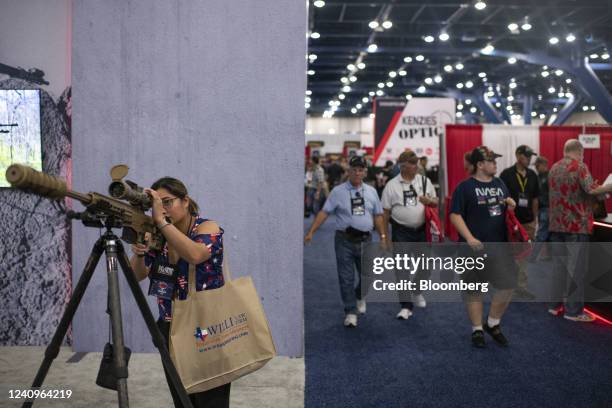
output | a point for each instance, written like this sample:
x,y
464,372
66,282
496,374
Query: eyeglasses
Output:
x,y
167,202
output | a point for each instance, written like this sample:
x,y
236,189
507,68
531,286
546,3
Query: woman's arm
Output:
x,y
190,251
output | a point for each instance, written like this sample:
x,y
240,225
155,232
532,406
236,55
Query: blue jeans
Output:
x,y
542,235
348,259
313,205
399,234
570,263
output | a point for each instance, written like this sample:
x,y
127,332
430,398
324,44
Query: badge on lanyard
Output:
x,y
358,204
410,197
163,278
523,200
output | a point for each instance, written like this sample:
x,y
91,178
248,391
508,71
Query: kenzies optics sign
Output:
x,y
416,124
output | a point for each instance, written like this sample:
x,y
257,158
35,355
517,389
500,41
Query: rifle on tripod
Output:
x,y
109,212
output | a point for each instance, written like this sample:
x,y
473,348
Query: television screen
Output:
x,y
20,140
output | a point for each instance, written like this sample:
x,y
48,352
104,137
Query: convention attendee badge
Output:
x,y
523,201
495,210
162,279
358,205
410,197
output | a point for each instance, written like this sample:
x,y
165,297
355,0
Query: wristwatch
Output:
x,y
165,224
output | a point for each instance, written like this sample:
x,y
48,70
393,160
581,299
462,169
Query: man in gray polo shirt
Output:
x,y
357,210
404,199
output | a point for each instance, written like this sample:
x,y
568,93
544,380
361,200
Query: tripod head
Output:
x,y
101,210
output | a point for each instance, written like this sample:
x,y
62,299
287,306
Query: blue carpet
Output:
x,y
428,361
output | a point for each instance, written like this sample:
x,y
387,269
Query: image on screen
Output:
x,y
20,140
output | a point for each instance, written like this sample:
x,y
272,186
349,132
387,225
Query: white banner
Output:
x,y
504,139
419,128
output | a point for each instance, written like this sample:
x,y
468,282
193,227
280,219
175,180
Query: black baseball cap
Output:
x,y
482,153
525,150
357,161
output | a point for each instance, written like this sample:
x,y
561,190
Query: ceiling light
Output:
x,y
308,92
460,85
387,24
379,93
459,114
315,35
542,116
403,73
372,48
526,26
341,96
605,56
359,106
392,74
594,56
473,109
482,74
310,72
512,85
513,26
353,110
428,39
459,66
509,108
443,37
421,89
561,94
371,93
498,104
371,116
364,99
568,94
460,106
353,78
480,5
469,84
448,68
488,49
545,74
408,96
551,89
312,57
389,84
585,108
381,84
350,67
319,3
307,99
428,81
511,60
534,114
437,79
553,40
510,98
490,94
419,58
592,108
373,24
468,101
307,105
570,38
346,89
361,65
408,60
344,80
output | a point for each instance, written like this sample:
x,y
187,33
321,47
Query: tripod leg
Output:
x,y
158,339
53,349
121,370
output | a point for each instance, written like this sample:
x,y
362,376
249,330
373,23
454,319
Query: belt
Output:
x,y
354,238
409,229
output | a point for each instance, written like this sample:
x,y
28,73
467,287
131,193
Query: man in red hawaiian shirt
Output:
x,y
571,191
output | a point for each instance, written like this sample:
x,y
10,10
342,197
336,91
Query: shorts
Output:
x,y
500,268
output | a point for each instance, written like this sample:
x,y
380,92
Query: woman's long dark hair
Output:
x,y
178,189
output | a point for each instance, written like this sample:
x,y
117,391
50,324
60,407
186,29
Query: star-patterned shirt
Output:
x,y
209,274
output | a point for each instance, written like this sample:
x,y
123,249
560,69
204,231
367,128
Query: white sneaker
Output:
x,y
404,314
350,320
419,300
361,306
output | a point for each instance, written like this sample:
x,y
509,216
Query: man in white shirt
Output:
x,y
404,199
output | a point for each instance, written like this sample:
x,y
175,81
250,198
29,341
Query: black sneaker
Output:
x,y
497,335
478,339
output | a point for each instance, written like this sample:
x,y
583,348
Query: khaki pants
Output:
x,y
522,274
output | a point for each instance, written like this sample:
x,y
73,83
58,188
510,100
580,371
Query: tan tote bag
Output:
x,y
219,335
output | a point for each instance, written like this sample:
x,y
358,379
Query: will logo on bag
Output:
x,y
221,334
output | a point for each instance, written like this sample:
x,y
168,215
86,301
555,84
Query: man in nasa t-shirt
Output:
x,y
478,213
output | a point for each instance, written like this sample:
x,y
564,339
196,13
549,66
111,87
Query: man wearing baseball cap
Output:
x,y
478,213
524,187
358,210
403,200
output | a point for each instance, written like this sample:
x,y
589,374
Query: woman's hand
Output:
x,y
140,249
157,208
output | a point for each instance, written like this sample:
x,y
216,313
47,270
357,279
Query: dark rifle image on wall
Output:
x,y
124,209
33,75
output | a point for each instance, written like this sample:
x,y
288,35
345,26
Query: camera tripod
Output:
x,y
115,256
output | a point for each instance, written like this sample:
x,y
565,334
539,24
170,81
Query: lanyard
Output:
x,y
522,184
